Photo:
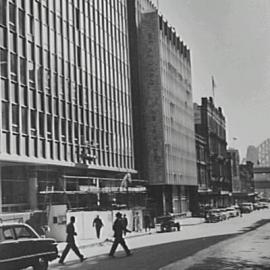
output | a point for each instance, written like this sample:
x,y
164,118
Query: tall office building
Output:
x,y
66,119
164,123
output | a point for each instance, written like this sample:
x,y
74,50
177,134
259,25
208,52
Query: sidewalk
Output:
x,y
92,242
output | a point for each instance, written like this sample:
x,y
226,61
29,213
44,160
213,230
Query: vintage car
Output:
x,y
214,215
167,224
21,247
246,207
232,211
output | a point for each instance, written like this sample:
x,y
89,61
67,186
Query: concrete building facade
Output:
x,y
164,98
66,120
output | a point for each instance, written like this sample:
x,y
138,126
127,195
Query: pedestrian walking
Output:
x,y
137,222
147,223
98,224
70,230
125,224
118,228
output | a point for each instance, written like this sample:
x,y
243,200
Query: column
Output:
x,y
33,189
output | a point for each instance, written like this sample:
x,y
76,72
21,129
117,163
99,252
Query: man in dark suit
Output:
x,y
71,242
98,224
119,228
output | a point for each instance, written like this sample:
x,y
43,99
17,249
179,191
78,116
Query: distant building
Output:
x,y
263,154
252,155
262,181
235,162
163,121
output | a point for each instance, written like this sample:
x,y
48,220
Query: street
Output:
x,y
228,244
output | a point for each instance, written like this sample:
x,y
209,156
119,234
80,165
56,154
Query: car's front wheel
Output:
x,y
41,264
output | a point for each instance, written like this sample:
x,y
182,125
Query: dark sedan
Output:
x,y
21,247
167,224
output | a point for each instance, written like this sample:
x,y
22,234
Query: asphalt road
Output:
x,y
158,256
248,251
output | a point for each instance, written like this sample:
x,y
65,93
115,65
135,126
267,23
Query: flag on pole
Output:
x,y
213,86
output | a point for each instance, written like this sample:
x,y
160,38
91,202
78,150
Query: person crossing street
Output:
x,y
70,230
119,228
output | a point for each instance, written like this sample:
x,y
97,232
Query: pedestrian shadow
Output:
x,y
255,226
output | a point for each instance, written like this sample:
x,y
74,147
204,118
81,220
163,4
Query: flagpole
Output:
x,y
213,86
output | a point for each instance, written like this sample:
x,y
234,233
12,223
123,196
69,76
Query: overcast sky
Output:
x,y
229,39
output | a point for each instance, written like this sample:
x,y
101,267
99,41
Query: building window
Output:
x,y
14,93
41,124
3,62
12,16
30,25
33,119
3,10
24,120
15,118
13,63
4,89
22,46
31,71
30,51
3,37
22,70
5,116
21,23
23,95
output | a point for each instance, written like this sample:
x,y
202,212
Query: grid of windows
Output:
x,y
64,72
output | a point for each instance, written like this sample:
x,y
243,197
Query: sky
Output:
x,y
230,40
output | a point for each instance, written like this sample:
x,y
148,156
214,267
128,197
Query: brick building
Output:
x,y
210,124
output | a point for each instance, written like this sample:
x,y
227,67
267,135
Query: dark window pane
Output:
x,y
3,10
4,89
3,37
24,120
5,116
33,119
21,23
22,46
23,93
23,70
15,115
12,14
3,62
13,63
41,124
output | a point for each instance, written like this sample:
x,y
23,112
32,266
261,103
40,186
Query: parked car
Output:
x,y
167,224
232,211
264,205
21,247
257,206
246,207
214,215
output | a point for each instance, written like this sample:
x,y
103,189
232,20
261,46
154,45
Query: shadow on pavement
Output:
x,y
255,225
212,263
